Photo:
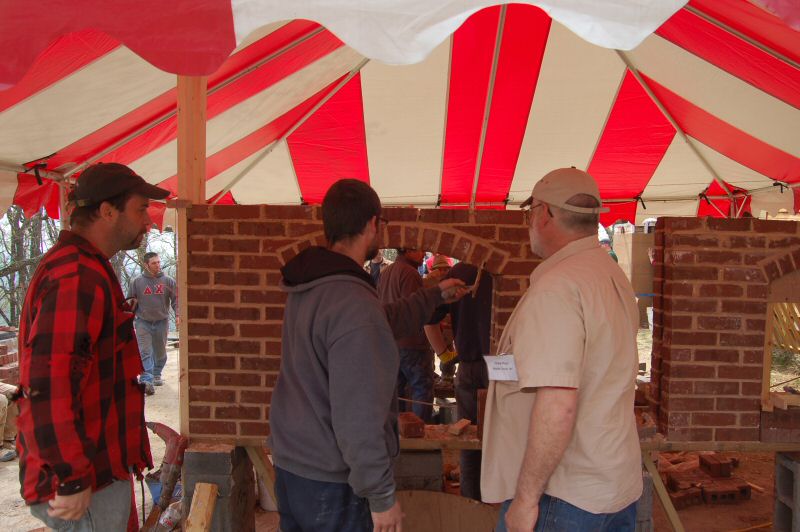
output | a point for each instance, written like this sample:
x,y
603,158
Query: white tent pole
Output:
x,y
488,105
446,112
668,115
166,116
19,169
737,33
309,113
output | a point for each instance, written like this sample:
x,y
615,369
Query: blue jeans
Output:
x,y
109,510
416,370
306,505
556,515
152,339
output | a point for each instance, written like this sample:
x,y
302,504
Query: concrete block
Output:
x,y
716,465
644,506
787,492
231,470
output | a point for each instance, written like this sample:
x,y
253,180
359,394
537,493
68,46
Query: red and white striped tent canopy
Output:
x,y
675,109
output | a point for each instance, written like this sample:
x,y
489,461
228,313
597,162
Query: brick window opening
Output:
x,y
782,345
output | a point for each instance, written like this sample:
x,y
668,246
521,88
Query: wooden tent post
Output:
x,y
191,189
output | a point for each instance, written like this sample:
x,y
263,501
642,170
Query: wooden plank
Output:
x,y
202,508
263,467
784,400
719,446
191,189
663,496
437,437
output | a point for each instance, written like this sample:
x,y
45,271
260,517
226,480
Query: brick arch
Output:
x,y
286,253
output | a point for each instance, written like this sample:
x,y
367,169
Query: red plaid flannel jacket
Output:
x,y
81,413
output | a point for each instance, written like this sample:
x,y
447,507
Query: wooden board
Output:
x,y
202,509
263,467
784,400
431,511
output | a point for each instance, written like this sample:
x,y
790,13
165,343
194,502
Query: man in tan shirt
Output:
x,y
560,448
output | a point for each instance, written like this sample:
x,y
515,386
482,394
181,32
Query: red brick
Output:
x,y
513,234
729,224
672,321
199,346
270,379
206,395
516,267
261,330
752,259
744,307
783,243
197,312
690,305
786,264
678,355
217,262
690,273
199,277
755,356
738,434
751,388
256,396
247,245
750,275
260,363
199,212
446,243
271,245
694,241
199,244
444,216
690,404
237,347
210,228
679,419
430,237
692,338
716,355
741,340
212,427
211,362
199,412
716,388
728,404
288,212
497,263
303,229
253,429
272,348
401,214
686,498
486,232
480,254
262,229
237,379
757,291
713,419
691,371
749,420
237,412
199,378
237,313
721,290
211,329
676,256
772,271
719,257
410,426
755,325
236,212
719,323
678,387
690,434
748,242
273,313
739,372
262,296
259,262
774,226
237,278
682,224
678,289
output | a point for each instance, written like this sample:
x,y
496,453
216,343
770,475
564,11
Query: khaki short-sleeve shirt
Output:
x,y
575,327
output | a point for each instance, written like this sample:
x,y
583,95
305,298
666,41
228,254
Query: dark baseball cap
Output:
x,y
103,181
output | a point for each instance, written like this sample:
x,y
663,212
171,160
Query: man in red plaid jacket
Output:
x,y
81,420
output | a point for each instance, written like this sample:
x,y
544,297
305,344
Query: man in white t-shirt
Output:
x,y
560,447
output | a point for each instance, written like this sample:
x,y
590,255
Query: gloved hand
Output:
x,y
447,356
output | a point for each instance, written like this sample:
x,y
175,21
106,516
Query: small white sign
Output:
x,y
502,367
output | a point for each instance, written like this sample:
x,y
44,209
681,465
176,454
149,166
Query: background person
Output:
x,y
153,293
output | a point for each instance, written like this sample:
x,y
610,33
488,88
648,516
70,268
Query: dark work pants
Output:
x,y
416,371
470,377
307,505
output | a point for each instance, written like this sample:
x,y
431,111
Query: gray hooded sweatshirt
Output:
x,y
333,415
154,295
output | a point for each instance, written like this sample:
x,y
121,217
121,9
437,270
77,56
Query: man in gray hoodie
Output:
x,y
333,416
154,293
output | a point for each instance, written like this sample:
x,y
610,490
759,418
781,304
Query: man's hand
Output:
x,y
521,517
389,521
453,290
70,507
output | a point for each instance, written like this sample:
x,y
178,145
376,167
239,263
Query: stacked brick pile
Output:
x,y
9,362
236,308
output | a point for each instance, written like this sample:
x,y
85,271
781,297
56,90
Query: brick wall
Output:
x,y
236,307
712,278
